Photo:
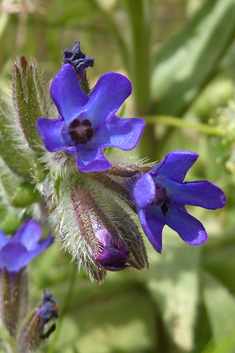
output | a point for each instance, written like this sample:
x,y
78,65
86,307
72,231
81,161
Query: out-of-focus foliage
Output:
x,y
179,55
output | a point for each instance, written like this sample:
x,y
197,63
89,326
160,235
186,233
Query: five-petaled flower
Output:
x,y
87,123
161,195
17,251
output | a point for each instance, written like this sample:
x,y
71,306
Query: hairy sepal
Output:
x,y
127,226
124,219
63,218
16,156
30,99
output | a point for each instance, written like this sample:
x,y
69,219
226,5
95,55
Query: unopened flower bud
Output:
x,y
111,255
80,63
32,332
105,247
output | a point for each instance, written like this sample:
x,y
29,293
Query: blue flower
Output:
x,y
161,195
17,251
87,124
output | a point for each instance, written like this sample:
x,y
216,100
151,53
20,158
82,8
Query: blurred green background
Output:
x,y
179,55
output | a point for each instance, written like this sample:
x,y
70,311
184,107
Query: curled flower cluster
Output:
x,y
93,207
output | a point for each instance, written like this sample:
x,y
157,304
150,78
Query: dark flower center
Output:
x,y
80,131
166,205
162,199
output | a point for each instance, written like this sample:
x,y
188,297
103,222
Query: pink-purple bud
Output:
x,y
110,253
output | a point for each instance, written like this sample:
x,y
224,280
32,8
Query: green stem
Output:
x,y
66,302
4,18
180,123
114,30
140,15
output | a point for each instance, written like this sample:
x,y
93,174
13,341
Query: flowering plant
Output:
x,y
63,173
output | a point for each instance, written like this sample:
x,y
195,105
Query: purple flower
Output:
x,y
161,196
87,124
17,251
110,254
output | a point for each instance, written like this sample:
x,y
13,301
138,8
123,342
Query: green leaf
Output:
x,y
172,279
9,181
187,62
112,324
25,195
221,264
11,223
220,305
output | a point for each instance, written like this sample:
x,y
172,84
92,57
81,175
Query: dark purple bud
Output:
x,y
77,59
32,332
47,310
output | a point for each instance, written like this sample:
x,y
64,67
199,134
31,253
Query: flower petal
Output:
x,y
30,255
66,93
198,193
12,255
117,132
175,165
28,234
107,96
144,191
152,227
124,133
49,131
92,161
3,239
187,226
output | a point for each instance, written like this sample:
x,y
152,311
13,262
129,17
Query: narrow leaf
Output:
x,y
186,63
172,279
220,304
25,195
